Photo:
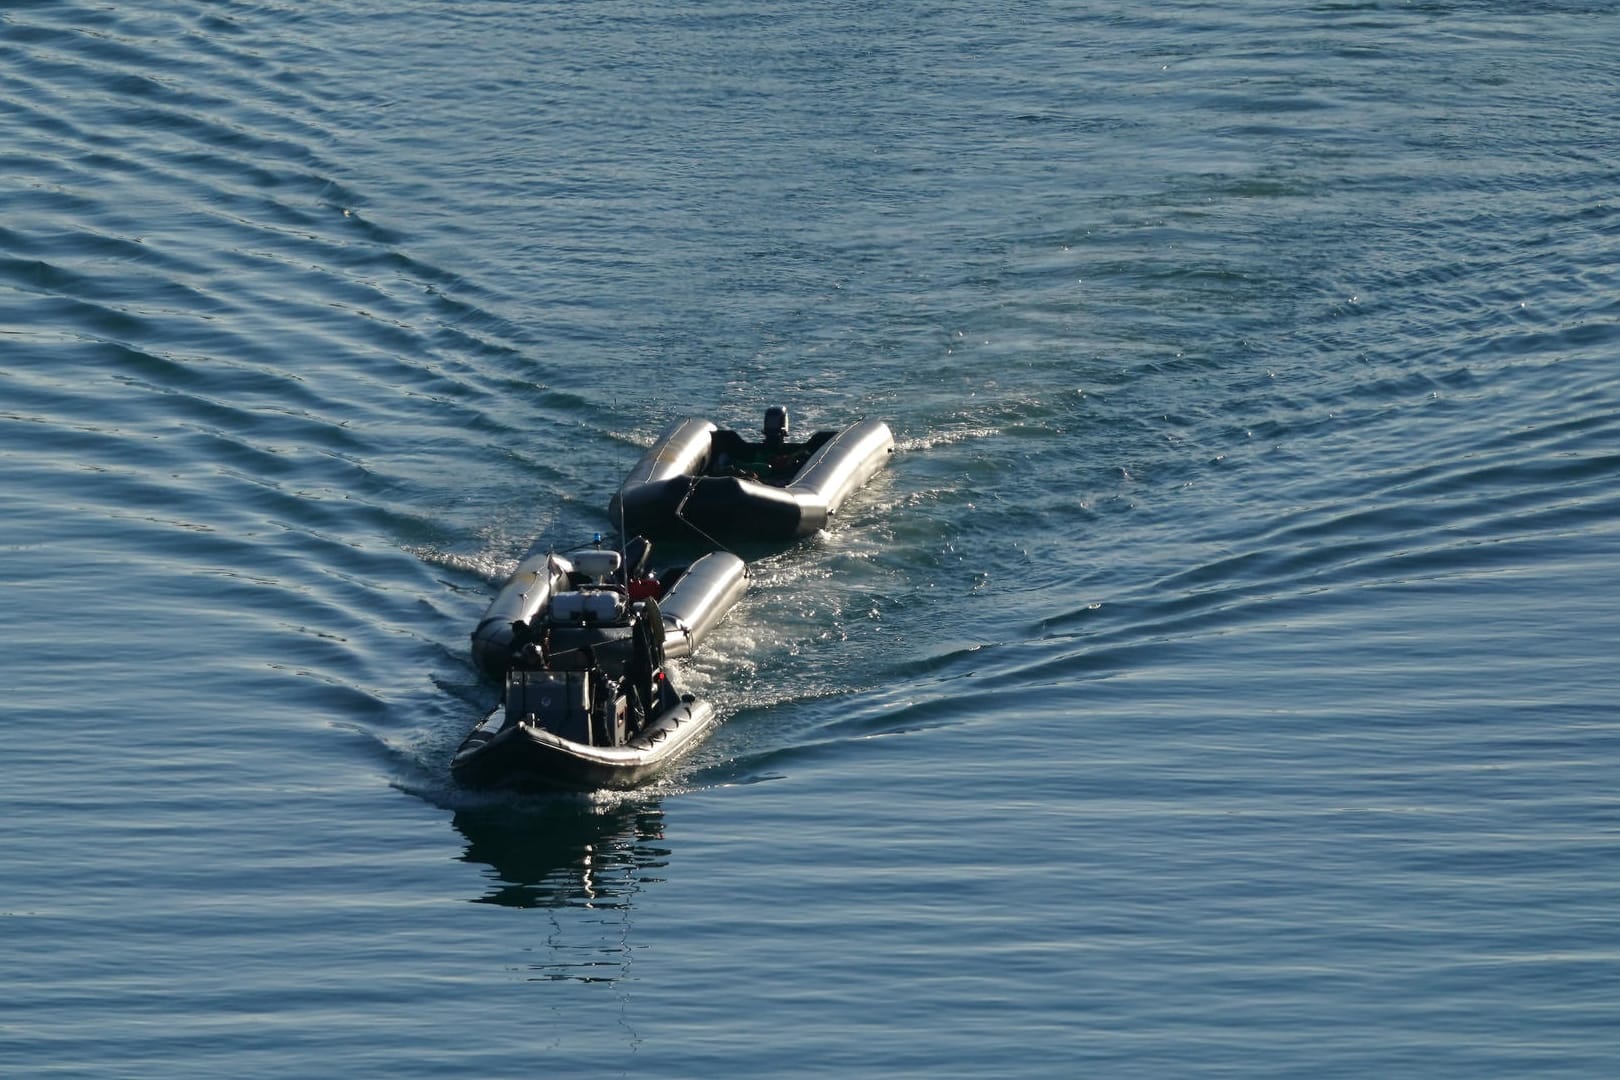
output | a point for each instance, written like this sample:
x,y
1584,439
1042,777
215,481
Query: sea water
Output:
x,y
1218,681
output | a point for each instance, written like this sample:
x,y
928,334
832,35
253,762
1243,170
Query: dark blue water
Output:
x,y
1219,682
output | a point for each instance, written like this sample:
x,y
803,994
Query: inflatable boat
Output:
x,y
582,642
699,481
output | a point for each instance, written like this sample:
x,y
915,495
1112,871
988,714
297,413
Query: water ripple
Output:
x,y
1217,674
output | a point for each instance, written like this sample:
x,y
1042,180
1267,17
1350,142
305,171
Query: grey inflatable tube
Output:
x,y
841,466
699,599
525,593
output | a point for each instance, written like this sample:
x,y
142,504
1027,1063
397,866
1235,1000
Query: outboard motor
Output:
x,y
776,426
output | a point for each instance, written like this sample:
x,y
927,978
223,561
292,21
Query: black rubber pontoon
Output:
x,y
704,481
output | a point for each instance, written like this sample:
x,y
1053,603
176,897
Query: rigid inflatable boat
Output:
x,y
582,642
701,481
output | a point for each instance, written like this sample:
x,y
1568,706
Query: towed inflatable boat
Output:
x,y
701,480
582,642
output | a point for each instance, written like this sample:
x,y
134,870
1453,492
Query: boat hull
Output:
x,y
526,757
679,488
